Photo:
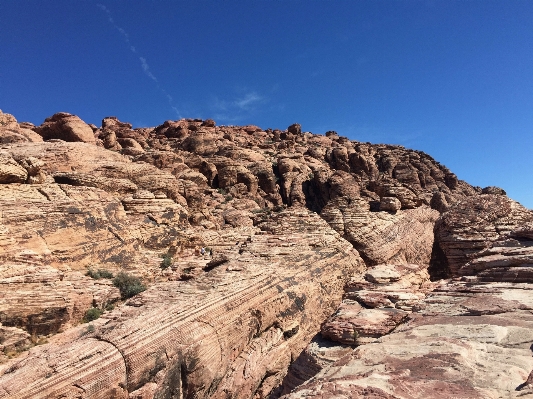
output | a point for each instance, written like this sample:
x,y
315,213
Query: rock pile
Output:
x,y
329,266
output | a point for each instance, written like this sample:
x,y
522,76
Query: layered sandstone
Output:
x,y
294,224
485,235
469,337
233,329
472,340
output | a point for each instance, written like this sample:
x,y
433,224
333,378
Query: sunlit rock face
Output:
x,y
273,261
466,337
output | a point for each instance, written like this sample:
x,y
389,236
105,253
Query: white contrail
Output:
x,y
146,70
144,65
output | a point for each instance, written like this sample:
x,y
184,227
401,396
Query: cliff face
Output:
x,y
294,223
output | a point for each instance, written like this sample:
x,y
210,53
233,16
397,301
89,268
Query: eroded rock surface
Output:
x,y
232,330
472,340
470,337
292,224
487,235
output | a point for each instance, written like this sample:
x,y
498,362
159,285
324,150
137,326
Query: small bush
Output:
x,y
128,285
228,198
221,191
355,336
166,262
98,274
92,314
90,329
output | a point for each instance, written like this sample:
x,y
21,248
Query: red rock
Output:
x,y
67,127
475,234
286,216
295,128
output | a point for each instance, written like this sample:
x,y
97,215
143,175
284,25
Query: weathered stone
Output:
x,y
11,171
230,321
469,341
390,204
473,227
295,128
65,126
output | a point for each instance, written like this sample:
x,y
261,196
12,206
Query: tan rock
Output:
x,y
11,171
67,127
381,237
444,352
470,233
230,322
189,340
390,204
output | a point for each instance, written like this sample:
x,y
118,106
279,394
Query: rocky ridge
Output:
x,y
296,224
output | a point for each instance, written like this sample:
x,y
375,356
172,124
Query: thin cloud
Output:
x,y
146,70
237,108
144,64
248,101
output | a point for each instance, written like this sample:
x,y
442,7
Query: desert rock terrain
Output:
x,y
272,262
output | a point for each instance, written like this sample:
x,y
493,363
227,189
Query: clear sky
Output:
x,y
451,78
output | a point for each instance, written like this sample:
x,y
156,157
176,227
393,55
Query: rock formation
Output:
x,y
468,337
274,261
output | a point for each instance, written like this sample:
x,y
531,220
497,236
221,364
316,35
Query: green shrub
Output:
x,y
355,336
128,285
90,329
98,274
166,262
92,314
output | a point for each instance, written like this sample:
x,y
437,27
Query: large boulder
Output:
x,y
67,127
11,171
483,232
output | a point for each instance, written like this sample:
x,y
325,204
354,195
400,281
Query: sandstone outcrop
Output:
x,y
381,237
487,234
11,171
269,256
469,337
67,127
471,340
13,132
375,304
234,329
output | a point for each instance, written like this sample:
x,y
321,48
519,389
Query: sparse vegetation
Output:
x,y
90,329
355,336
98,274
265,210
228,198
92,314
221,191
128,285
167,261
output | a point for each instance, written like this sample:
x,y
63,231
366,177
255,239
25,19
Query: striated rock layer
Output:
x,y
471,337
232,331
247,241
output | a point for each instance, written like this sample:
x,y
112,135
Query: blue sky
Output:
x,y
451,78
